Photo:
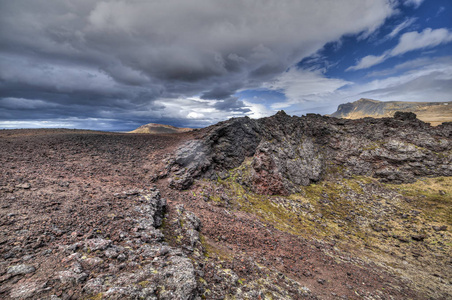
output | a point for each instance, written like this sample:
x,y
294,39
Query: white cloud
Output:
x,y
258,110
428,38
368,61
440,11
304,86
426,79
409,41
400,27
195,115
194,111
414,3
418,80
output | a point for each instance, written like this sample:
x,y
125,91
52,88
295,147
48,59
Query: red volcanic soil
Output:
x,y
58,187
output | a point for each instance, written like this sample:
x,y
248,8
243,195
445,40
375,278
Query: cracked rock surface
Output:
x,y
285,152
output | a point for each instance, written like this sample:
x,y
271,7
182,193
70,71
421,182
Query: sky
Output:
x,y
116,65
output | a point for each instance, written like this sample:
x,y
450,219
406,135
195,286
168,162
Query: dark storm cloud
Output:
x,y
222,90
231,104
98,58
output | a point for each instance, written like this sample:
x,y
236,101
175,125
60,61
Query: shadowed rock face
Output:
x,y
280,153
219,147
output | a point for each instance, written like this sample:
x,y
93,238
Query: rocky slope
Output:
x,y
434,113
277,208
153,128
336,181
286,152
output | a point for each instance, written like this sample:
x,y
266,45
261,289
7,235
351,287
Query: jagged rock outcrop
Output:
x,y
220,147
156,270
155,208
280,153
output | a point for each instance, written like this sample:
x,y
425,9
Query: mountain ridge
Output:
x,y
434,113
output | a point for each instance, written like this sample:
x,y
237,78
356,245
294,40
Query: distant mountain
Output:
x,y
154,128
434,113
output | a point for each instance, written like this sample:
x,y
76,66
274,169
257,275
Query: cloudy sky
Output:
x,y
115,65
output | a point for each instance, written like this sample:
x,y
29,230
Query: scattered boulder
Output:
x,y
179,279
156,207
21,269
94,285
97,244
24,186
440,228
72,277
418,237
187,226
404,116
26,290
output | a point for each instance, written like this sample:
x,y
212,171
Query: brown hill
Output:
x,y
154,128
434,113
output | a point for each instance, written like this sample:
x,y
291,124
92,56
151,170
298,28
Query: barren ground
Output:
x,y
61,186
